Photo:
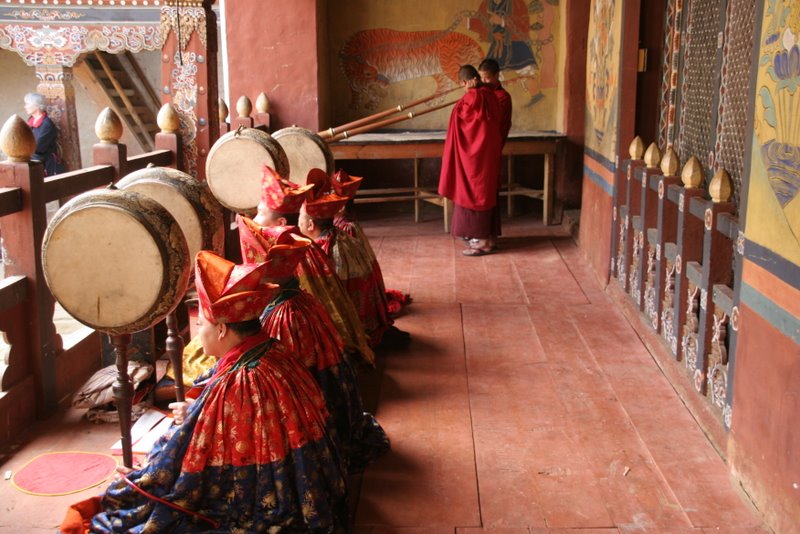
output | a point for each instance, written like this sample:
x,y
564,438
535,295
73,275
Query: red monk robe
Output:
x,y
470,174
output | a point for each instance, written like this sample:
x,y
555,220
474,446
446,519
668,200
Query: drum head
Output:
x,y
306,150
116,261
234,164
188,200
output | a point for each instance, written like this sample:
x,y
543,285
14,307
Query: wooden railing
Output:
x,y
40,369
245,116
673,253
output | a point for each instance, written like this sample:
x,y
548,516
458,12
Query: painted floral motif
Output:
x,y
779,128
62,45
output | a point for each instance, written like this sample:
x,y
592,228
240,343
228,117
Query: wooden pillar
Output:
x,y
620,240
641,222
666,213
189,77
23,233
716,269
55,83
109,151
688,247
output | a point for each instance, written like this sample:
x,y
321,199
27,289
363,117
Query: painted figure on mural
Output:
x,y
45,132
506,25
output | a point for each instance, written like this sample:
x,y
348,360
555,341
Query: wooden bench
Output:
x,y
420,145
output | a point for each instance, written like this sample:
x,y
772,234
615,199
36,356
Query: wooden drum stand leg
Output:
x,y
175,353
123,395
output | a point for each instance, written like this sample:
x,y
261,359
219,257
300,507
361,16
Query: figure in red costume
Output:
x,y
470,174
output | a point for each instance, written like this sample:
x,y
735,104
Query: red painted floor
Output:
x,y
525,404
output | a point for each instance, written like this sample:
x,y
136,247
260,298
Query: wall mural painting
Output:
x,y
776,150
516,33
602,88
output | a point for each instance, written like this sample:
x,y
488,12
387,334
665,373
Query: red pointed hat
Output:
x,y
326,206
345,185
279,246
320,182
231,293
279,194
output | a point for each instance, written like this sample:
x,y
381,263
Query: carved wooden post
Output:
x,y
174,346
717,268
640,265
109,151
23,232
55,83
688,247
243,108
169,137
621,241
666,223
262,111
189,77
224,126
123,395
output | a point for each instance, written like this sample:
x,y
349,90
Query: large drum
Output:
x,y
188,200
117,261
234,165
306,150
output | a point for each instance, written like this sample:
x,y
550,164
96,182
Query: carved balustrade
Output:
x,y
40,368
674,255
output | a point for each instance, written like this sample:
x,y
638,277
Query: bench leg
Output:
x,y
417,201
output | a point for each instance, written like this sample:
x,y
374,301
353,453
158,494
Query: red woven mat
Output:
x,y
62,473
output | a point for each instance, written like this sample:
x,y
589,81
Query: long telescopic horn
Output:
x,y
372,126
332,132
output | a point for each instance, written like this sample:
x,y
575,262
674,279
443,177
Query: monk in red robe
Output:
x,y
470,175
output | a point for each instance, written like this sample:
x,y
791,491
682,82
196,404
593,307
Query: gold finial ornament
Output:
x,y
168,119
262,103
17,140
670,163
223,110
108,127
652,157
636,149
720,188
244,107
692,174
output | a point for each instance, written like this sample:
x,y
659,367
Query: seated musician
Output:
x,y
302,324
280,206
351,259
254,451
347,186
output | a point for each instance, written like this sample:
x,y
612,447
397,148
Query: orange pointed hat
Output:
x,y
325,207
345,185
321,202
279,246
279,194
231,293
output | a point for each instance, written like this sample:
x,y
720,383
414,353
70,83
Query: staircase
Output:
x,y
118,81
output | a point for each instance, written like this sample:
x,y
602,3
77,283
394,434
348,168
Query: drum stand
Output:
x,y
123,387
123,395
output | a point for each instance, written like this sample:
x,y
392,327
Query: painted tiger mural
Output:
x,y
372,59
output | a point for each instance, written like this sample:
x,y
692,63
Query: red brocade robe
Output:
x,y
470,174
364,284
317,275
304,327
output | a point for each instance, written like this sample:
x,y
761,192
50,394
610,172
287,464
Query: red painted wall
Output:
x,y
765,444
272,47
595,228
